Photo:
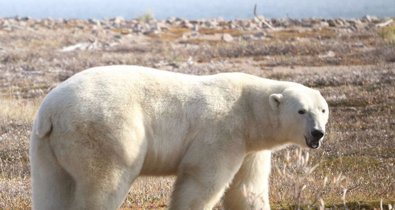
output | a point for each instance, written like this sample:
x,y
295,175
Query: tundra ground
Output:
x,y
354,69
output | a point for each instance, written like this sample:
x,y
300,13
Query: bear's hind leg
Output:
x,y
104,193
52,186
103,173
250,187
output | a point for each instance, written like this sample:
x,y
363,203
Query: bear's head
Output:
x,y
302,114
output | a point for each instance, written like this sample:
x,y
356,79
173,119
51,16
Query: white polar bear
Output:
x,y
103,127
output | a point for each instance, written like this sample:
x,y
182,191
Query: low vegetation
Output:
x,y
388,34
354,70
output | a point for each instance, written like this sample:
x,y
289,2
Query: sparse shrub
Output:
x,y
147,17
297,185
388,33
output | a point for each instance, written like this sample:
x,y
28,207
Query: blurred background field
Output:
x,y
351,61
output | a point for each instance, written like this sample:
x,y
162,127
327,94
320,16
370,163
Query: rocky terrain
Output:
x,y
352,62
28,46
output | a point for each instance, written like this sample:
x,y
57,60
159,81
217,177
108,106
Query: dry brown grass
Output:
x,y
171,34
287,35
150,193
212,31
15,120
17,110
357,156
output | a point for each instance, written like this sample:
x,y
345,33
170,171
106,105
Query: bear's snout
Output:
x,y
314,140
317,134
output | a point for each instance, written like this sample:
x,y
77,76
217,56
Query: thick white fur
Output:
x,y
103,127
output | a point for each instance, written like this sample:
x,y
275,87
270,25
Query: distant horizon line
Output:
x,y
197,9
185,18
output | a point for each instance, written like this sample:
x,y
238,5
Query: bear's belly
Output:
x,y
168,137
161,160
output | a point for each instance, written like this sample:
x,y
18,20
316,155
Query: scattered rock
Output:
x,y
227,37
369,18
117,21
384,24
336,98
81,46
323,24
154,28
173,20
332,23
260,35
95,22
329,54
254,26
210,23
358,45
186,24
247,37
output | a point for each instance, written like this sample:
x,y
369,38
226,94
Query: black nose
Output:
x,y
317,134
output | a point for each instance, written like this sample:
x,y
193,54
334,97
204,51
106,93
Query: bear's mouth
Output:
x,y
312,144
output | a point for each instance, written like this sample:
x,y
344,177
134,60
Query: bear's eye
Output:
x,y
323,111
302,111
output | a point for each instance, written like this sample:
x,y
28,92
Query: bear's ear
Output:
x,y
275,100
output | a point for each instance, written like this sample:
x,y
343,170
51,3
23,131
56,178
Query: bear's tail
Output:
x,y
42,125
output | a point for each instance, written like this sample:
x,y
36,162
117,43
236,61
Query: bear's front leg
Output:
x,y
250,187
203,176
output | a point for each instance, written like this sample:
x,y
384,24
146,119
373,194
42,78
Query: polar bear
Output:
x,y
103,127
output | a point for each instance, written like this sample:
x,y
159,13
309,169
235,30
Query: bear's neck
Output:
x,y
263,128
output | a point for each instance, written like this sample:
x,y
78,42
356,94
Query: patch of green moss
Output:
x,y
349,205
352,162
388,34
